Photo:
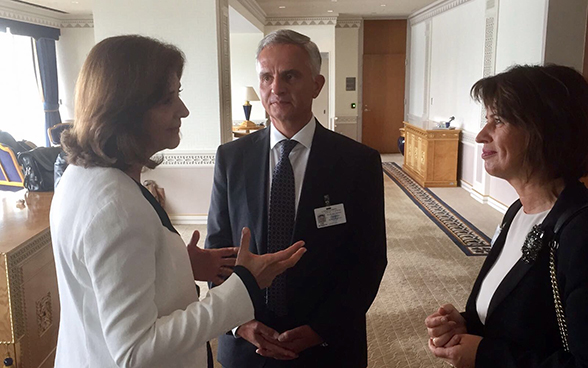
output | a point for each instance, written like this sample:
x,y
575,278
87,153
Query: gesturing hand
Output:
x,y
266,267
265,339
212,265
300,339
444,325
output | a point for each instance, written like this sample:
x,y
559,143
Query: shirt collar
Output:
x,y
304,135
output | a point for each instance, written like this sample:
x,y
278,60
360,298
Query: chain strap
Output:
x,y
559,312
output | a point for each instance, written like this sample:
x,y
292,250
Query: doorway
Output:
x,y
384,68
320,105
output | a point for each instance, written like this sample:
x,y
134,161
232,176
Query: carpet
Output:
x,y
466,236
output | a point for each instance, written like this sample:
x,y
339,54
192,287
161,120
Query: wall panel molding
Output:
x,y
307,21
187,159
433,10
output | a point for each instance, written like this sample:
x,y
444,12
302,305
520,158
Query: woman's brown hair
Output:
x,y
551,104
122,78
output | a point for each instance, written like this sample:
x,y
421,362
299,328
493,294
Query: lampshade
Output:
x,y
250,94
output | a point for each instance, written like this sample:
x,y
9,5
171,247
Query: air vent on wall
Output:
x,y
40,6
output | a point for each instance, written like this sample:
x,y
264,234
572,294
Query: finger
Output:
x,y
436,321
442,340
267,333
194,239
228,262
276,349
449,310
291,262
431,317
289,335
271,354
224,272
455,340
288,252
439,352
442,329
244,247
227,252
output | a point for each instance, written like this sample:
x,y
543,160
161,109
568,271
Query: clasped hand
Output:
x,y
271,344
448,337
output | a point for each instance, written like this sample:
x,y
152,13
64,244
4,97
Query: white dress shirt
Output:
x,y
298,157
521,226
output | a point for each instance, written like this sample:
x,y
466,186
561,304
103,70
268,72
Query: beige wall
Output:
x,y
243,73
346,65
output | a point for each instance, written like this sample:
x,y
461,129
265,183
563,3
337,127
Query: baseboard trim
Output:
x,y
189,219
484,199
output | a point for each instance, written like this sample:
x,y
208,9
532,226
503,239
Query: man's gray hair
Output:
x,y
290,37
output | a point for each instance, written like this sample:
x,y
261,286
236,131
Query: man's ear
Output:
x,y
319,82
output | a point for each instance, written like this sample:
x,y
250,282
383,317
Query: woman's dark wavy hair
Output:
x,y
122,78
551,104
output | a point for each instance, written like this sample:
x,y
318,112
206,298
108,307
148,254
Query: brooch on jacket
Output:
x,y
533,244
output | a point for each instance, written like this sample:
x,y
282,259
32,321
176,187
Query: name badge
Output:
x,y
330,215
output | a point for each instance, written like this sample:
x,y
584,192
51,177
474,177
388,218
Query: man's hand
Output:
x,y
444,324
213,265
462,354
300,339
265,339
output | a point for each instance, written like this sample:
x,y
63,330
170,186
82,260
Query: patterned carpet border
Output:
x,y
466,236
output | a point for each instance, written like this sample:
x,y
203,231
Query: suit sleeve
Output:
x,y
572,277
122,268
219,223
355,295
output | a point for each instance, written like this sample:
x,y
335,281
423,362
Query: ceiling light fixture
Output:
x,y
282,7
383,5
329,11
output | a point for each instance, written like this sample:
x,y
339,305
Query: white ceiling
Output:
x,y
293,8
363,8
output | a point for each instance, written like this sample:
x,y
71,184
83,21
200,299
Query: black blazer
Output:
x,y
335,282
521,328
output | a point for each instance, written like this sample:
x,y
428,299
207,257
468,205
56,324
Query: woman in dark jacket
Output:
x,y
536,138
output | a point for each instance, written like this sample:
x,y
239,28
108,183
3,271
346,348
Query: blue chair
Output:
x,y
11,177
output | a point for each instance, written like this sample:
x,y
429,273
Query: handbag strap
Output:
x,y
553,247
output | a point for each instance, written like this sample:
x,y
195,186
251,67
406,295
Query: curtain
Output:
x,y
47,64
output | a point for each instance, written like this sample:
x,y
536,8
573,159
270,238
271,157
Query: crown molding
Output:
x,y
306,21
77,23
468,137
434,9
348,23
253,7
30,14
187,159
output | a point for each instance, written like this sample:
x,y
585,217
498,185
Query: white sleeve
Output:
x,y
120,256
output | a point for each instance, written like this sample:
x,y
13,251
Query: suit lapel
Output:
x,y
256,163
321,161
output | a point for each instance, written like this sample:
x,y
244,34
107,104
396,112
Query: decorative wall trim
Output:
x,y
27,17
77,23
484,199
468,137
254,9
224,63
189,219
307,21
345,119
187,159
44,314
348,23
433,10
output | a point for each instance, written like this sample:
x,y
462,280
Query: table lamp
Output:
x,y
250,95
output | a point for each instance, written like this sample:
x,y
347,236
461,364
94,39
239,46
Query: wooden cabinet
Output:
x,y
29,304
430,155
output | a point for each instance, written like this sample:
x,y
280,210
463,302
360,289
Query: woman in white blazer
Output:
x,y
126,278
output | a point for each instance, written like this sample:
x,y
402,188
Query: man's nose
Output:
x,y
278,86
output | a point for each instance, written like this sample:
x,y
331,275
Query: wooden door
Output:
x,y
383,83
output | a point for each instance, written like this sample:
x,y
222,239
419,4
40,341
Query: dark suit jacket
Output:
x,y
521,328
335,282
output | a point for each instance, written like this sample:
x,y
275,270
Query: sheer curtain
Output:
x,y
21,113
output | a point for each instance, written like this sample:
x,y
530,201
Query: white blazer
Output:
x,y
126,288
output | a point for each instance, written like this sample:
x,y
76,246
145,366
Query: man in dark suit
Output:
x,y
297,180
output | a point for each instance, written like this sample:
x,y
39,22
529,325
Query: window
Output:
x,y
21,109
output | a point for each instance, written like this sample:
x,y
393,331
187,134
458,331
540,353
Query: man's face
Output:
x,y
286,84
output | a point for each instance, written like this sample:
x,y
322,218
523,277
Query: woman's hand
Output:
x,y
462,354
266,267
213,265
444,325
